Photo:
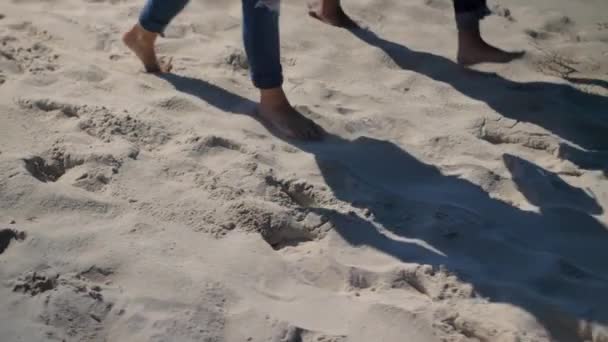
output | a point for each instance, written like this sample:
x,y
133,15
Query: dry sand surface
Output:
x,y
446,204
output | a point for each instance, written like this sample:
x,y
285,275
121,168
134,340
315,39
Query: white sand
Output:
x,y
447,205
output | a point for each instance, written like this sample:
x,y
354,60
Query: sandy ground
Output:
x,y
446,204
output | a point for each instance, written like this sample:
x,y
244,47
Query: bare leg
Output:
x,y
276,110
472,49
141,42
331,12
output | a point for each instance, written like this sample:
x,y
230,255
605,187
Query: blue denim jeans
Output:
x,y
260,34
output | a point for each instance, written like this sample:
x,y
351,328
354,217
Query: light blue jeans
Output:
x,y
260,34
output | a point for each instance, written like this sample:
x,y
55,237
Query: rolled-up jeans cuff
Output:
x,y
153,27
470,20
267,81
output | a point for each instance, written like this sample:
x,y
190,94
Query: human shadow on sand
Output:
x,y
578,117
549,262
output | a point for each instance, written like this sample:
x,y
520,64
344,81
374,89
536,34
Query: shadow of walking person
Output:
x,y
578,117
550,263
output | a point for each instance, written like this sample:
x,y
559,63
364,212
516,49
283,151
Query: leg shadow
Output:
x,y
549,263
577,117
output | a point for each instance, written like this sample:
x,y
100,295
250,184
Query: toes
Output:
x,y
493,55
518,55
161,66
314,14
291,124
506,57
302,130
340,20
152,69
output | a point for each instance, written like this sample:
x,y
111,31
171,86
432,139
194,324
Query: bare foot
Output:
x,y
331,12
472,49
486,54
141,42
276,110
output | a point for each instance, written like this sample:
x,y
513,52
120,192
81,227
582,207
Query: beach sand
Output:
x,y
445,204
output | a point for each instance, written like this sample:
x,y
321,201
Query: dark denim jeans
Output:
x,y
469,13
260,34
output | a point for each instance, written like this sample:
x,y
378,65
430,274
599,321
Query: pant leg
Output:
x,y
157,14
469,13
262,42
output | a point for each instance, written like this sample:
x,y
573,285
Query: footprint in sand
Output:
x,y
49,105
94,179
35,283
74,304
438,285
108,126
88,171
90,74
273,222
26,50
45,170
177,104
512,132
199,146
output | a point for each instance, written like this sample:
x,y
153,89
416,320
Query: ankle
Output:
x,y
144,35
470,35
273,98
330,8
470,39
